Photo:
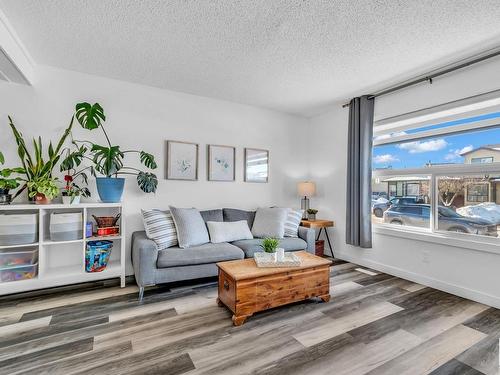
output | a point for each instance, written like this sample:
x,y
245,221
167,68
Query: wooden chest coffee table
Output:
x,y
245,288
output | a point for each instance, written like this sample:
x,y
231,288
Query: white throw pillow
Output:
x,y
228,231
292,222
270,222
160,228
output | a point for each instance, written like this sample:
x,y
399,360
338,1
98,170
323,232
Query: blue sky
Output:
x,y
436,150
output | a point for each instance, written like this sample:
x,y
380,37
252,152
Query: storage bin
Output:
x,y
18,229
18,273
66,226
97,255
18,257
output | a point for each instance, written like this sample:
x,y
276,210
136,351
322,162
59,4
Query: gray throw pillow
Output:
x,y
212,215
269,222
233,214
191,229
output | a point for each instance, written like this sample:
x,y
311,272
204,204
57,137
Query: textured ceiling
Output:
x,y
289,55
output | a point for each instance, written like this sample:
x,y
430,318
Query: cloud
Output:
x,y
388,136
417,147
457,153
385,158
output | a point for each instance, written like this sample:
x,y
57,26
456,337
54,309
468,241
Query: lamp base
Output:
x,y
304,205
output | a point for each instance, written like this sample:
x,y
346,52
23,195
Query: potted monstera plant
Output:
x,y
107,159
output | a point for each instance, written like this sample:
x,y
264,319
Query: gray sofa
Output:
x,y
153,266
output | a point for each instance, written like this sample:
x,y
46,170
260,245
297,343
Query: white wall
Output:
x,y
472,274
140,117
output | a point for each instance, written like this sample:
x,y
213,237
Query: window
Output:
x,y
488,159
478,192
440,175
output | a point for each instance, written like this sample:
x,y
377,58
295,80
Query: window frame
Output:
x,y
432,234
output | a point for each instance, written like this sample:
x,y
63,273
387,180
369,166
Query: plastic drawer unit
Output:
x,y
18,257
18,273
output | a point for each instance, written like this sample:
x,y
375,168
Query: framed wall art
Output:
x,y
256,165
182,161
221,163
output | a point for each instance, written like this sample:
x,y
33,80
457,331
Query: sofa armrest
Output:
x,y
308,235
144,257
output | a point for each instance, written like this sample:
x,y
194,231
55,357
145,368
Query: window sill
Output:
x,y
484,244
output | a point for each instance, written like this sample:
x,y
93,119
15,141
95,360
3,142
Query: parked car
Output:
x,y
418,215
380,206
378,194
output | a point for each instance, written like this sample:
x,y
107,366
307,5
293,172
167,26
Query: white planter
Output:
x,y
71,200
280,254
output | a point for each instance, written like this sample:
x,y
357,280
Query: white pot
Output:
x,y
280,254
71,200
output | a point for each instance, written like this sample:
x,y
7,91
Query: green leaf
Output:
x,y
148,160
51,150
90,116
148,182
73,159
2,158
107,160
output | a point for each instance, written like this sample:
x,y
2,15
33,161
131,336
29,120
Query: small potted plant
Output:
x,y
269,245
72,192
43,189
311,214
7,183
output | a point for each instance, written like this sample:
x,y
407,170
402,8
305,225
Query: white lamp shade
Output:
x,y
306,188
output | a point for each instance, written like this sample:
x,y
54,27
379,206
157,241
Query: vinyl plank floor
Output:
x,y
433,353
373,323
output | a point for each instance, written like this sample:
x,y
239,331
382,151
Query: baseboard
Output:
x,y
458,290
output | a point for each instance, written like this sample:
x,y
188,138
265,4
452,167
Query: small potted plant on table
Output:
x,y
270,245
311,214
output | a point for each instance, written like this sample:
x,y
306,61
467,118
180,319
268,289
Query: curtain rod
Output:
x,y
438,72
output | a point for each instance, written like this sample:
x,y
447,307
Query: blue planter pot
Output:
x,y
110,189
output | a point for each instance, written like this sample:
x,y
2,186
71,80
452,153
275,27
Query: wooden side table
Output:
x,y
322,225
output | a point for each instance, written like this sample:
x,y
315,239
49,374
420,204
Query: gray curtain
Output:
x,y
359,172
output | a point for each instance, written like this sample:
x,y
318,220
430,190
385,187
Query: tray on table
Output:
x,y
269,260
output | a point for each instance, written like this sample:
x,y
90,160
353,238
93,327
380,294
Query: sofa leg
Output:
x,y
141,293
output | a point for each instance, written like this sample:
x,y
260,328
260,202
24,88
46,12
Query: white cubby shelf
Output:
x,y
63,262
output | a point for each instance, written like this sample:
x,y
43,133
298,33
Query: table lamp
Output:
x,y
305,189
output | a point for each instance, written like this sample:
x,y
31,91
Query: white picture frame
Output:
x,y
256,165
182,161
221,164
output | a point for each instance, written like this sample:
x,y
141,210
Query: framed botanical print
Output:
x,y
182,161
256,165
221,163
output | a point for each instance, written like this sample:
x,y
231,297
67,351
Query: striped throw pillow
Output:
x,y
160,228
292,222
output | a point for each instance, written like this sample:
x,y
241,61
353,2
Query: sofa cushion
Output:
x,y
191,229
292,223
203,254
160,228
253,246
232,214
270,222
228,231
212,215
